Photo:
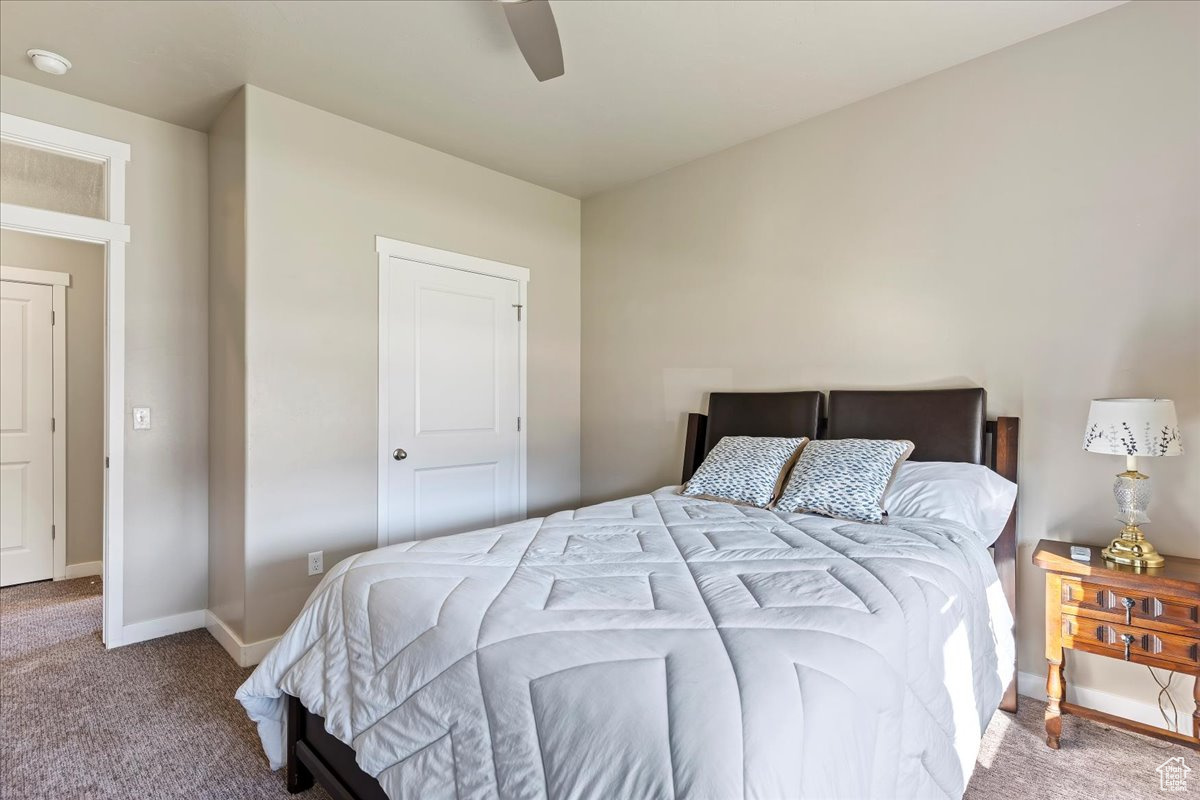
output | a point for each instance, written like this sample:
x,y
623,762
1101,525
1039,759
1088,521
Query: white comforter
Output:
x,y
652,647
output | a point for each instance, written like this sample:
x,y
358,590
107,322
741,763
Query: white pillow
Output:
x,y
970,494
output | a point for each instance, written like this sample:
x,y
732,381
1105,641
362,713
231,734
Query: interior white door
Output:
x,y
453,397
26,439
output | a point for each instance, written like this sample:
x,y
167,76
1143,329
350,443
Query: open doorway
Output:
x,y
52,408
62,249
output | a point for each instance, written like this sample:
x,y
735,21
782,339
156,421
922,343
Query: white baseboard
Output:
x,y
1034,686
163,626
246,655
83,570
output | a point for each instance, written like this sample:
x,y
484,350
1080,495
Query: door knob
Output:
x,y
399,454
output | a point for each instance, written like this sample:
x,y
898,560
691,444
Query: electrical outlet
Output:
x,y
316,562
141,418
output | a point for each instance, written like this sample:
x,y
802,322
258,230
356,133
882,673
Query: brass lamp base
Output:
x,y
1132,549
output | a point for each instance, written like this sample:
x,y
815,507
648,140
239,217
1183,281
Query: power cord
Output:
x,y
1172,722
1164,689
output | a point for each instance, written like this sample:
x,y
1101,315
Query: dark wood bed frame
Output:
x,y
944,424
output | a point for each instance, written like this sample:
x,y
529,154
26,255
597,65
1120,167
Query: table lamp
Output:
x,y
1132,427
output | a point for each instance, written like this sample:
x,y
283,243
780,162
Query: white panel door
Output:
x,y
453,397
26,440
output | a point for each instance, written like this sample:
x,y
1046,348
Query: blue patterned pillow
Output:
x,y
745,469
844,478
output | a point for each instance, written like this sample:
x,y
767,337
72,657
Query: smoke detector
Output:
x,y
49,62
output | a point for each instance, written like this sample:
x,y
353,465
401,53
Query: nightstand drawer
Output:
x,y
1131,643
1123,606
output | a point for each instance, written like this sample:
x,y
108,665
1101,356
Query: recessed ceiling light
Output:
x,y
49,62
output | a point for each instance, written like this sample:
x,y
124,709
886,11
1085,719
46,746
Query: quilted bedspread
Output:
x,y
657,646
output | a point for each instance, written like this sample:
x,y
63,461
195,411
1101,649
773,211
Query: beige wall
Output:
x,y
84,262
319,189
166,359
1026,222
227,366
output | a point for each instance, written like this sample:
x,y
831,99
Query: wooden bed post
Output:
x,y
1004,457
693,448
298,776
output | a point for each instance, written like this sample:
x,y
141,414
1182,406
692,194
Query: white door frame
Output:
x,y
394,248
113,233
58,283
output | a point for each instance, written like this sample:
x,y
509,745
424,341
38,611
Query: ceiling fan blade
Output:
x,y
533,26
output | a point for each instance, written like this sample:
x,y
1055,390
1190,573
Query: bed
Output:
x,y
663,645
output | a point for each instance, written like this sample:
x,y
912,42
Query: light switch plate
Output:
x,y
141,418
316,562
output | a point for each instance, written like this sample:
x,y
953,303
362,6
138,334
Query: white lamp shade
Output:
x,y
1133,426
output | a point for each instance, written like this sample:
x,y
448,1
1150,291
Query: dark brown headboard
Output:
x,y
944,424
750,414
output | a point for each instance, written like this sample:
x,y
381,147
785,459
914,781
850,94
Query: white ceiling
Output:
x,y
648,85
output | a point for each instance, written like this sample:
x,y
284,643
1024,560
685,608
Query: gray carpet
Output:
x,y
158,720
151,720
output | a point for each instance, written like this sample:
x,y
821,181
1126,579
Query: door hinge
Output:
x,y
518,307
518,423
53,424
106,462
53,317
53,531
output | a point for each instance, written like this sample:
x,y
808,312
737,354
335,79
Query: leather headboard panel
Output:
x,y
762,414
944,424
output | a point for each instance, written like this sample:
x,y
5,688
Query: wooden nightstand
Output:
x,y
1148,617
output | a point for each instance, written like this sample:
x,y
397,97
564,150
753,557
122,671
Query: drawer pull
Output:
x,y
1127,638
1128,602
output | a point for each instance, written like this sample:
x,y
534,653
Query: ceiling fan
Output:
x,y
533,26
